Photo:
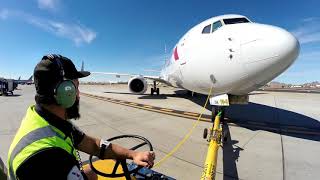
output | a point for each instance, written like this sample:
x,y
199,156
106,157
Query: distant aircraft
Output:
x,y
229,53
28,81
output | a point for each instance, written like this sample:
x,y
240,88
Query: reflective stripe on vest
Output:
x,y
33,136
41,137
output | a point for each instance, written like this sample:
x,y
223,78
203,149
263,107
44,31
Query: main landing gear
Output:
x,y
155,89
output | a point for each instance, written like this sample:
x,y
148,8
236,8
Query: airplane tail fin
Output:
x,y
29,78
19,77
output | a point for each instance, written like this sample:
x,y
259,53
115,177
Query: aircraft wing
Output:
x,y
118,75
157,78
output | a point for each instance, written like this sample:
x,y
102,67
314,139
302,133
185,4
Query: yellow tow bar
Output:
x,y
215,136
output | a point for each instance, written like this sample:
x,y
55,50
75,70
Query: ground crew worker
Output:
x,y
46,144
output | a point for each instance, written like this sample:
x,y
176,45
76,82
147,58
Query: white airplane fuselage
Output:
x,y
232,59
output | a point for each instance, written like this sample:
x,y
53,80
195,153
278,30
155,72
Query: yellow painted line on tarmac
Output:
x,y
112,101
173,114
150,108
167,110
296,127
191,114
301,131
194,116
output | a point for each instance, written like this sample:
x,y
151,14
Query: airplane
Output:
x,y
229,53
28,81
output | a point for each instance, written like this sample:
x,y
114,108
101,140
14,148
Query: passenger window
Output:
x,y
207,29
216,25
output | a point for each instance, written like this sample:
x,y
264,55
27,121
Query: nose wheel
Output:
x,y
205,133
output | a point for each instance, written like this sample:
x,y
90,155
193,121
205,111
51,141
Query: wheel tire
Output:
x,y
224,136
158,91
205,133
225,139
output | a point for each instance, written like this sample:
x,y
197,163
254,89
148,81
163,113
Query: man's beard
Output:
x,y
73,111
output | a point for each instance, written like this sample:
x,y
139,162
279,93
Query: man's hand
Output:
x,y
145,158
91,145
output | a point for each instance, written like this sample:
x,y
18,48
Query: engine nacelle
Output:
x,y
138,85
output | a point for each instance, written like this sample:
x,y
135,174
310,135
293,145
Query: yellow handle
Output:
x,y
210,165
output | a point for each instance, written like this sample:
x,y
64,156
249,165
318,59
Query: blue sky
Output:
x,y
128,36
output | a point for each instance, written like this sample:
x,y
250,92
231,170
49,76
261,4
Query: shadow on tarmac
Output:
x,y
14,95
161,96
278,119
231,153
112,92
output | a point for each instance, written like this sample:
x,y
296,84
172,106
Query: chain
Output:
x,y
78,154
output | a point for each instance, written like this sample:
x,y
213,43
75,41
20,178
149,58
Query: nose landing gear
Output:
x,y
206,131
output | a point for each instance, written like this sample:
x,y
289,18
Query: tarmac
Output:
x,y
275,136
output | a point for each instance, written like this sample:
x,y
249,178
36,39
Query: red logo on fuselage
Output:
x,y
175,54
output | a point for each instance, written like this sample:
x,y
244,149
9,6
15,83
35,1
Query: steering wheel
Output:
x,y
122,162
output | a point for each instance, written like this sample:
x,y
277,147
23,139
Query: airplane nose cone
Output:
x,y
284,45
270,52
269,43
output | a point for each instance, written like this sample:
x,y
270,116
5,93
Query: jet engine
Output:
x,y
138,85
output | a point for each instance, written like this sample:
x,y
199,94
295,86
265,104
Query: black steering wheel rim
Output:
x,y
122,162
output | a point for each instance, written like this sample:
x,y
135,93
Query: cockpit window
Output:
x,y
235,21
207,29
216,25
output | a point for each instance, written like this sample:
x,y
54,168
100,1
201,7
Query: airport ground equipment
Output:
x,y
7,86
217,135
130,170
215,139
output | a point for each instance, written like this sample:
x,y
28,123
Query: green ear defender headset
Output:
x,y
65,92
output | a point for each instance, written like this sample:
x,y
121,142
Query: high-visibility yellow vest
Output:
x,y
35,134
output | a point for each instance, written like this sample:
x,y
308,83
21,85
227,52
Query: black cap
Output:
x,y
51,70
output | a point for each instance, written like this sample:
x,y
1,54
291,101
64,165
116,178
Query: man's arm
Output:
x,y
52,163
91,145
